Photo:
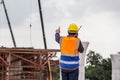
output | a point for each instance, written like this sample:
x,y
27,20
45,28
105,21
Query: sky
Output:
x,y
100,20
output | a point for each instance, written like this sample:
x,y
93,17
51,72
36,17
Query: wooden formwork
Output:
x,y
25,63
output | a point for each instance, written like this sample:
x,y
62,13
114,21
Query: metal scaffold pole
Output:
x,y
14,43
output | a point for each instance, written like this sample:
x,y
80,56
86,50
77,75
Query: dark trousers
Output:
x,y
70,74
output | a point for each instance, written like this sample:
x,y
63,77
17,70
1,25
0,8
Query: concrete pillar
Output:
x,y
115,58
82,61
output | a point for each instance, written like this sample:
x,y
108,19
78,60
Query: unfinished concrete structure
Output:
x,y
115,58
25,63
82,61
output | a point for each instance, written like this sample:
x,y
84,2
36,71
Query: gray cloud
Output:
x,y
76,9
54,10
18,10
100,19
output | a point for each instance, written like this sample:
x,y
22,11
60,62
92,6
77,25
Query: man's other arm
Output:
x,y
81,48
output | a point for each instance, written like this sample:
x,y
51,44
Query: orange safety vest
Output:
x,y
69,45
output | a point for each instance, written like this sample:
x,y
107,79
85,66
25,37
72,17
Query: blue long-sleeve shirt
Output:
x,y
80,49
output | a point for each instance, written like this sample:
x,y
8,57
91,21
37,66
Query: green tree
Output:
x,y
97,68
94,59
107,67
94,73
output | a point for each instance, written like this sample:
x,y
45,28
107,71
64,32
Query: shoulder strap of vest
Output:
x,y
77,45
61,39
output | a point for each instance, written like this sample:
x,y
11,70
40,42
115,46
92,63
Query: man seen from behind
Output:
x,y
70,47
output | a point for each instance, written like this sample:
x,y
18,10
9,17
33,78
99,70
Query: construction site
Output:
x,y
27,63
30,63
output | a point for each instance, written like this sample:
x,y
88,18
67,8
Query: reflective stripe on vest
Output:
x,y
69,46
69,62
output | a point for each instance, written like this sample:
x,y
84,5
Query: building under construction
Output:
x,y
27,64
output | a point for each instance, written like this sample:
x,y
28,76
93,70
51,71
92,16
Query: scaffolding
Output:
x,y
26,63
